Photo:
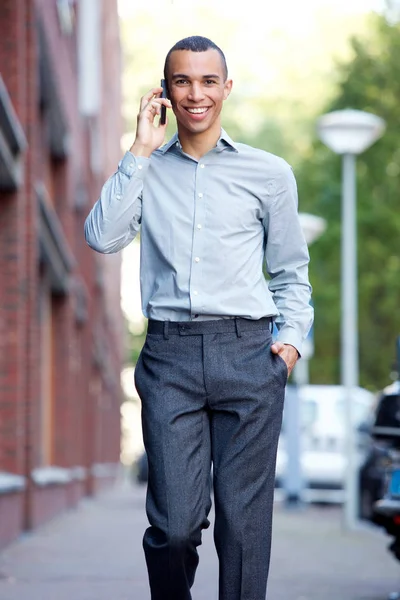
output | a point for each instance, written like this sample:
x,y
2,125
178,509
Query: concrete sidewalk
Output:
x,y
95,553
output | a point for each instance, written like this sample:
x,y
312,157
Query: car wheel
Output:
x,y
366,511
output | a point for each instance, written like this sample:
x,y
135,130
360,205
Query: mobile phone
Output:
x,y
163,116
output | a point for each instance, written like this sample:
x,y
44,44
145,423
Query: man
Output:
x,y
211,212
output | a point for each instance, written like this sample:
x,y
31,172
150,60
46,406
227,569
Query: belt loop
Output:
x,y
238,332
166,324
271,323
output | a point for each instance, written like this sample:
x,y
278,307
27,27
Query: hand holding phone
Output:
x,y
163,115
149,136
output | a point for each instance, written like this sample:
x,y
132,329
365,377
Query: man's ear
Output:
x,y
227,88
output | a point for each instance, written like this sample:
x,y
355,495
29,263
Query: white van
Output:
x,y
322,438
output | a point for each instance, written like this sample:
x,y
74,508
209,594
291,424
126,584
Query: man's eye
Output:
x,y
181,81
210,81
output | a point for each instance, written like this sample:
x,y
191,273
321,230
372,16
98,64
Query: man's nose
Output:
x,y
196,92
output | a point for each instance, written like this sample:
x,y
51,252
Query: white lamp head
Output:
x,y
349,131
312,226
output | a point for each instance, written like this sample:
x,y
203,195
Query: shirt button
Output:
x,y
131,165
118,196
140,167
195,292
200,195
199,226
197,259
202,166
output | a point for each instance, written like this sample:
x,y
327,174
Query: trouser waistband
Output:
x,y
235,325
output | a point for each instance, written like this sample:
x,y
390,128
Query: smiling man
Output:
x,y
212,213
197,95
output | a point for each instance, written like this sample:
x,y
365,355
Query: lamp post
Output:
x,y
312,227
349,132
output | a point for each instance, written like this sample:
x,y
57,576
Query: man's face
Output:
x,y
197,88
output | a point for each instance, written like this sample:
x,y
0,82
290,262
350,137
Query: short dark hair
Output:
x,y
196,43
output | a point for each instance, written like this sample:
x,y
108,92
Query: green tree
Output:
x,y
136,341
370,82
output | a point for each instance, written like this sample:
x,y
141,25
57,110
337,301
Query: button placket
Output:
x,y
198,247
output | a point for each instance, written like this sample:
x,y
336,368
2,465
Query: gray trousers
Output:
x,y
212,392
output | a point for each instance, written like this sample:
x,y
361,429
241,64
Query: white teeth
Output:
x,y
196,111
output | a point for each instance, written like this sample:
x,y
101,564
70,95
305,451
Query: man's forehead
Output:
x,y
204,63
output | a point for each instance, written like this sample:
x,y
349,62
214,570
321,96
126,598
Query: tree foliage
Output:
x,y
370,82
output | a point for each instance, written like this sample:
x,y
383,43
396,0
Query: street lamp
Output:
x,y
349,132
312,227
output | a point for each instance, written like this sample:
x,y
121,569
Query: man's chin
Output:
x,y
199,127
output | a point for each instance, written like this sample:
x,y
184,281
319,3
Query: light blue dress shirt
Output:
x,y
208,227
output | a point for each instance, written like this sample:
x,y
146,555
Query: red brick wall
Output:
x,y
47,502
11,517
86,394
30,365
13,247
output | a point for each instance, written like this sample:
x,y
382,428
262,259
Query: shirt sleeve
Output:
x,y
114,220
287,259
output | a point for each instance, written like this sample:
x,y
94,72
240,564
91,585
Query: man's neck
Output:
x,y
198,145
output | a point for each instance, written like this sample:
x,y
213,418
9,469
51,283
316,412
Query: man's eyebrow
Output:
x,y
183,76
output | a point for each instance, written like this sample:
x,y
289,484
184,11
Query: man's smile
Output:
x,y
197,113
198,110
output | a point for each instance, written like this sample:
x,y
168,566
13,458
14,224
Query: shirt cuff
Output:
x,y
289,335
134,166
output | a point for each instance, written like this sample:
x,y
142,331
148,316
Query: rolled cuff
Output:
x,y
134,166
289,335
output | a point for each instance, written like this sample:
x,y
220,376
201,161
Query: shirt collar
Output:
x,y
174,141
223,142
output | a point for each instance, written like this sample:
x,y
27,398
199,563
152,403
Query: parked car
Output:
x,y
140,469
383,451
322,438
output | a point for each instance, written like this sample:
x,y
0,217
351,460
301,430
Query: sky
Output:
x,y
276,10
251,21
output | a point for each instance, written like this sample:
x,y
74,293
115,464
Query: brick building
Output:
x,y
61,328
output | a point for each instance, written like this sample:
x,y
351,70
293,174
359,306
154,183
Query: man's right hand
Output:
x,y
149,137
